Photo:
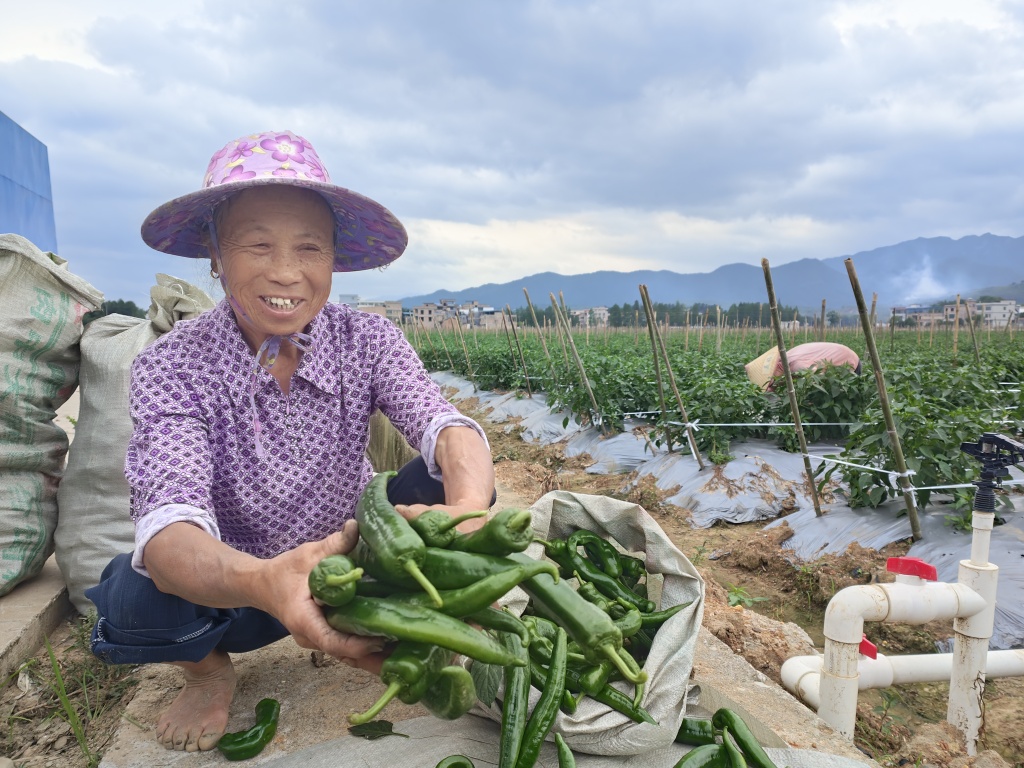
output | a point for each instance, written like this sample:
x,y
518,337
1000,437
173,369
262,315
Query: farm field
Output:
x,y
938,399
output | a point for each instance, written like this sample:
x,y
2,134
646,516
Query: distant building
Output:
x,y
591,317
991,314
352,299
392,310
469,314
923,317
26,202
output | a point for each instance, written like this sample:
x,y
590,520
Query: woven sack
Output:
x,y
41,309
94,524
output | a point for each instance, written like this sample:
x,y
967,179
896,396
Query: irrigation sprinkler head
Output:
x,y
997,453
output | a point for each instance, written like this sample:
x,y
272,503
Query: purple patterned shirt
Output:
x,y
192,454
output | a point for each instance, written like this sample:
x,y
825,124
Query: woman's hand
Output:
x,y
283,592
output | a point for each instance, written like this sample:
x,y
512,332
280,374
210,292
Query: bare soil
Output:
x,y
760,603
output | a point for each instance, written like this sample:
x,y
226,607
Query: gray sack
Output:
x,y
94,523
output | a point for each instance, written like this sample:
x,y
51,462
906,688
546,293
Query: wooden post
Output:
x,y
823,319
718,329
522,359
974,338
956,326
675,391
883,399
686,343
560,319
794,408
440,335
543,344
469,366
892,331
652,330
874,303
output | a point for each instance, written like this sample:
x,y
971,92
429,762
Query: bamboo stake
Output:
x,y
823,319
883,398
874,303
469,366
579,364
892,331
974,338
675,391
931,332
718,329
792,331
429,342
652,330
686,345
956,326
794,407
543,344
440,335
522,359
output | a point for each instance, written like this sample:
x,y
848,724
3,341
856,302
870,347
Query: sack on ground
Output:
x,y
594,728
94,523
41,309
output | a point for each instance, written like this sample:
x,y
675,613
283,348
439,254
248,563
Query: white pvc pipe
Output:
x,y
909,600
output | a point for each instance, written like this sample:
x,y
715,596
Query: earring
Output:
x,y
214,273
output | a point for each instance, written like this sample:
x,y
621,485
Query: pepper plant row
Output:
x,y
939,398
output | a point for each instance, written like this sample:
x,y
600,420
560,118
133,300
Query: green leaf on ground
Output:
x,y
376,729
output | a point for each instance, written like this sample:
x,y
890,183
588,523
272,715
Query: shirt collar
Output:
x,y
318,366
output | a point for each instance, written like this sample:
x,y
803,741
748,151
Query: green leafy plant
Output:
x,y
739,596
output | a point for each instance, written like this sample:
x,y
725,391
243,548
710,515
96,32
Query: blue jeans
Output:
x,y
139,624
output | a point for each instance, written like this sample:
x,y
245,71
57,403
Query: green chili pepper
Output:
x,y
398,548
600,551
592,594
510,530
333,580
653,621
539,678
630,624
515,706
696,731
612,588
565,756
242,745
633,569
437,528
400,621
591,678
588,625
407,672
707,756
500,621
447,568
736,759
546,708
557,551
451,694
477,596
611,697
755,754
455,761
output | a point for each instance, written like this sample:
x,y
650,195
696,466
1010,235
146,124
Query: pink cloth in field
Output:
x,y
817,354
193,446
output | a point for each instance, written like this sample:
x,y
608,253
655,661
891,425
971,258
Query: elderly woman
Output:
x,y
251,425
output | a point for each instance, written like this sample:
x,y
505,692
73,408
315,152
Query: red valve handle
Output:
x,y
867,648
912,566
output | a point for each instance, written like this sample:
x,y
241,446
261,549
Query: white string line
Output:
x,y
908,473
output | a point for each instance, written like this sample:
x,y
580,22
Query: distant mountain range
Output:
x,y
916,271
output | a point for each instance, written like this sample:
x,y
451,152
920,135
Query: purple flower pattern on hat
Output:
x,y
368,235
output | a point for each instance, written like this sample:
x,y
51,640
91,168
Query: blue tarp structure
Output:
x,y
26,203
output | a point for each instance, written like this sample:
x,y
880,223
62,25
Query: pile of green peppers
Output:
x,y
738,748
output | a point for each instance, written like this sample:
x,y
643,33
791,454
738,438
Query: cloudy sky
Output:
x,y
542,135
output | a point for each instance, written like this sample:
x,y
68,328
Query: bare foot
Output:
x,y
198,717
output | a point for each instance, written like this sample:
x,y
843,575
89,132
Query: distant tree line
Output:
x,y
114,307
630,315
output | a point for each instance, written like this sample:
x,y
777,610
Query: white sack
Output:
x,y
94,524
41,308
594,728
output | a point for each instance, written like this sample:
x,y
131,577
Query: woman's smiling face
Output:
x,y
277,252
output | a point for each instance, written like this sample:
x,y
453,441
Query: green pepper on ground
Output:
x,y
455,761
696,731
333,580
241,745
755,754
407,672
732,750
707,756
437,528
565,756
400,621
398,548
510,530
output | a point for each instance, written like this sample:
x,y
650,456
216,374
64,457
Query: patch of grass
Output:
x,y
739,596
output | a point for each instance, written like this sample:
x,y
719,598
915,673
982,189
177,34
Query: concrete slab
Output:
x,y
30,612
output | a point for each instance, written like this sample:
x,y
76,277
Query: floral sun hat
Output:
x,y
367,235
